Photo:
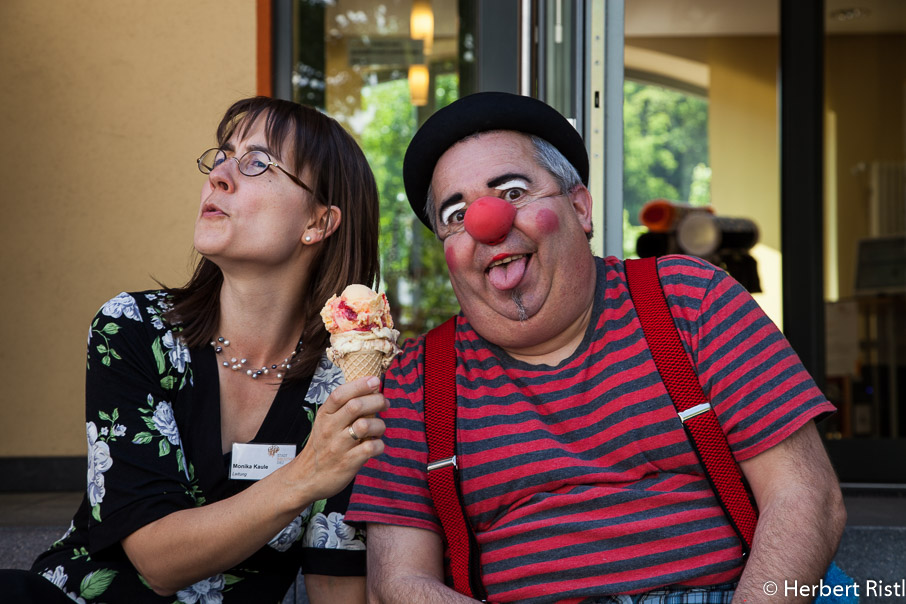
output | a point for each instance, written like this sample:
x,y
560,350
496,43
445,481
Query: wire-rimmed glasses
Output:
x,y
252,163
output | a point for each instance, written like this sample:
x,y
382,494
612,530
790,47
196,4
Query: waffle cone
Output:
x,y
362,363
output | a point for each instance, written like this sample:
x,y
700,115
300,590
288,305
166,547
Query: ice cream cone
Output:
x,y
362,338
360,364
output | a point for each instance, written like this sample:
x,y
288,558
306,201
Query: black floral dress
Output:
x,y
154,447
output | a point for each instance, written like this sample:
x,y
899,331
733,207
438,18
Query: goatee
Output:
x,y
517,300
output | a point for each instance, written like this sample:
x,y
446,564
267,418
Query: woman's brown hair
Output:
x,y
339,176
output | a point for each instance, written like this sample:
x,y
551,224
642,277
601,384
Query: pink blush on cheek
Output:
x,y
450,256
547,221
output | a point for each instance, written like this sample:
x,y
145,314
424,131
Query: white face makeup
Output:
x,y
453,213
514,184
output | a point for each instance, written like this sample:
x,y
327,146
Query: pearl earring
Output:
x,y
308,238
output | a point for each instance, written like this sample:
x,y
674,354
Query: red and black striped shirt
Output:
x,y
578,478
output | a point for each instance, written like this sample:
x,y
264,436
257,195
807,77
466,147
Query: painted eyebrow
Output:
x,y
455,198
499,180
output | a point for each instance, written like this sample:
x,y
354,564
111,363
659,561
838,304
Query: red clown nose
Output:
x,y
489,219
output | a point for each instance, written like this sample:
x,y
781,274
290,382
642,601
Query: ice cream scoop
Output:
x,y
489,219
358,308
362,341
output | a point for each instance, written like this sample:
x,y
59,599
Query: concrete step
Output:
x,y
875,557
20,545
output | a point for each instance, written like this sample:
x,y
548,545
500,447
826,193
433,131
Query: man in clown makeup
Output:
x,y
576,476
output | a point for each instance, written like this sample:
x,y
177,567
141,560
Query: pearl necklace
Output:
x,y
236,364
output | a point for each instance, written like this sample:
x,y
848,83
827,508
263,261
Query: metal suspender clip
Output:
x,y
442,463
694,411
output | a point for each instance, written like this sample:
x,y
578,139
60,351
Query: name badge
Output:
x,y
254,462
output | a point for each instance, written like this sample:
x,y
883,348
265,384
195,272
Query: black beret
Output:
x,y
483,112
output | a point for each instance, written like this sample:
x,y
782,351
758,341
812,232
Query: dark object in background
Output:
x,y
676,228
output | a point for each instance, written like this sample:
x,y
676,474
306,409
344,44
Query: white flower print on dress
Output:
x,y
165,422
155,318
161,298
99,461
206,591
69,531
289,535
122,305
330,532
157,309
179,354
327,377
58,576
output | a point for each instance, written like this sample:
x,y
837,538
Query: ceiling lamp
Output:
x,y
421,23
418,84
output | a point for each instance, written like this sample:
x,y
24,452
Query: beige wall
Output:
x,y
106,104
744,140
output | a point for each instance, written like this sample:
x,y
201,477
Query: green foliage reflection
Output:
x,y
665,151
413,270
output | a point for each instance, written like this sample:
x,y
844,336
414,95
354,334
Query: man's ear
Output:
x,y
324,223
581,201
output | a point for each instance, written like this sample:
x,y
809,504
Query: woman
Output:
x,y
178,377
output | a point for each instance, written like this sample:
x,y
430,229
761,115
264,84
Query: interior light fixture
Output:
x,y
421,23
418,84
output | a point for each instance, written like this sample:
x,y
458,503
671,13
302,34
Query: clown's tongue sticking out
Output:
x,y
507,271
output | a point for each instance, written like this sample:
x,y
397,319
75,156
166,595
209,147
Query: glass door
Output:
x,y
699,81
577,68
702,117
865,239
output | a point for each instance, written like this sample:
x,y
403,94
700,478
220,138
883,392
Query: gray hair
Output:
x,y
548,157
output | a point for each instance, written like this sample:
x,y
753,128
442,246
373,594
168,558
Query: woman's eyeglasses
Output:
x,y
252,163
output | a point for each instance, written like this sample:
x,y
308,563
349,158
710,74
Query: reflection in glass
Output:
x,y
865,222
665,152
381,69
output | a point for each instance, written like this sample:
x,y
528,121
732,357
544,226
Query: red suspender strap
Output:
x,y
694,410
443,479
